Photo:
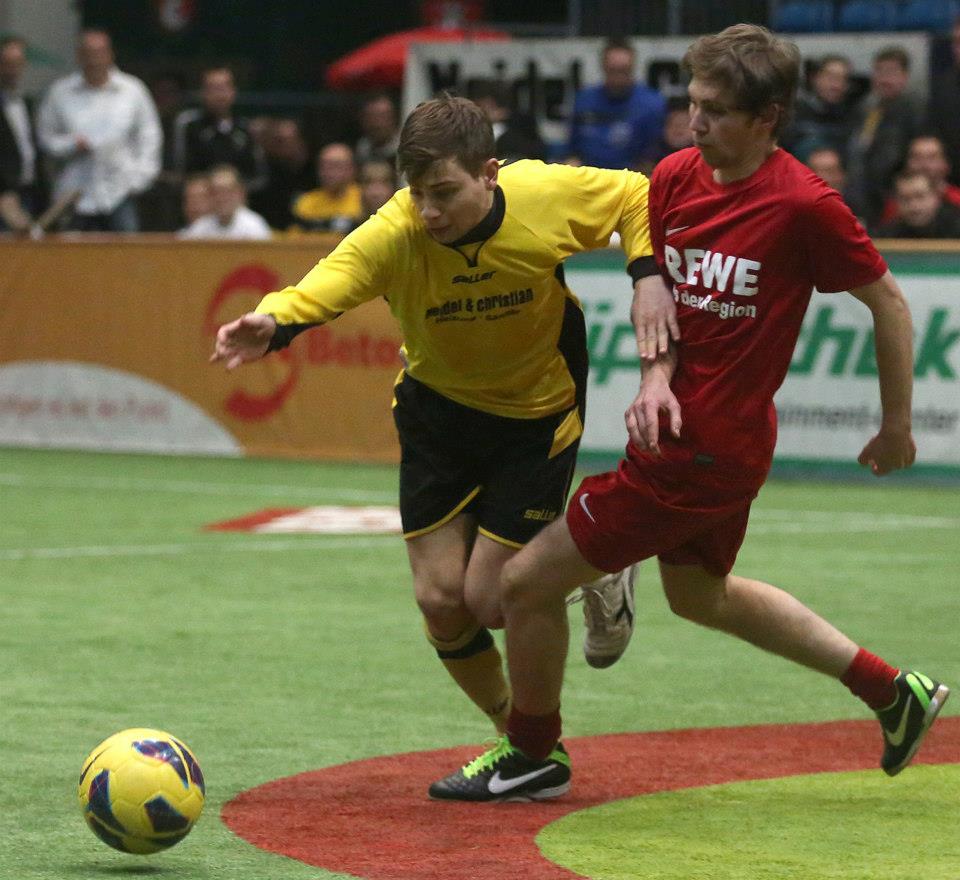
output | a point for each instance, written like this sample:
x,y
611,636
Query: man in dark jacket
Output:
x,y
886,122
943,116
20,195
212,135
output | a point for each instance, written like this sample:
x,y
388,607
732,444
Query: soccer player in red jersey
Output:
x,y
743,232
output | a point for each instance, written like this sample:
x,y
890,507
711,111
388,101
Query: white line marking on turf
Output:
x,y
788,522
193,487
16,554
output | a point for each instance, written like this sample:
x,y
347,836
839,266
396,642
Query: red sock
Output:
x,y
534,735
871,679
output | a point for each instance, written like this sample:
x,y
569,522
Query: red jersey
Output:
x,y
743,259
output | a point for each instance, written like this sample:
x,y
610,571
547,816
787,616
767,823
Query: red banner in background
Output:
x,y
105,346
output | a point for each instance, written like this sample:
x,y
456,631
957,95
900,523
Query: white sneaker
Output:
x,y
608,611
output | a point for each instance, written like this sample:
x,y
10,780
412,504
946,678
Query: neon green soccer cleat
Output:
x,y
906,721
504,773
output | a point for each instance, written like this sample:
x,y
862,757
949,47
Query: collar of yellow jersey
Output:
x,y
488,225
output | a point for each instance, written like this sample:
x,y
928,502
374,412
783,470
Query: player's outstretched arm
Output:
x,y
892,448
243,340
654,317
643,415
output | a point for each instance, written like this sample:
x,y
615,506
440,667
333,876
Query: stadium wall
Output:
x,y
104,346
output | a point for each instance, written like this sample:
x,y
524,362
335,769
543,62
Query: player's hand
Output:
x,y
643,415
243,340
889,451
654,315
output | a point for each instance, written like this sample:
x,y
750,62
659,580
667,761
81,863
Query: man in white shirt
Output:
x,y
102,127
231,218
19,190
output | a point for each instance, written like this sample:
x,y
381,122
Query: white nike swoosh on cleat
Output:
x,y
497,785
670,232
896,737
583,504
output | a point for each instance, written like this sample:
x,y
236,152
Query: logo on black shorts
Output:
x,y
540,515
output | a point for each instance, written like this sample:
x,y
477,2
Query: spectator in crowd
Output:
x,y
927,155
101,126
195,201
615,124
943,114
159,206
213,134
168,89
885,122
378,183
290,172
335,205
676,133
515,134
230,218
20,190
827,164
921,210
380,132
823,115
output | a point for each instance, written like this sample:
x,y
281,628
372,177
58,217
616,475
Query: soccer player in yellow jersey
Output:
x,y
490,405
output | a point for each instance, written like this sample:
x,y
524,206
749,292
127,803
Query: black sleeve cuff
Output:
x,y
642,267
285,333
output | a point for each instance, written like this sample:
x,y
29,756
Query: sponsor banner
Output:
x,y
829,404
544,74
106,346
69,405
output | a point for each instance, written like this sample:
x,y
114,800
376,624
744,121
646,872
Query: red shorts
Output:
x,y
682,513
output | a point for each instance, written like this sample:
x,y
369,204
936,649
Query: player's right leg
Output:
x,y
438,560
529,763
439,483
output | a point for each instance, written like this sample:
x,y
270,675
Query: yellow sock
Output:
x,y
474,663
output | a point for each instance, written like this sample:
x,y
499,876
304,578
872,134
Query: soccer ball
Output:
x,y
141,790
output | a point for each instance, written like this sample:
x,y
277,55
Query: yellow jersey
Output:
x,y
317,210
481,322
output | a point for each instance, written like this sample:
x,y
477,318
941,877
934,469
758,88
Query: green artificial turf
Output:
x,y
830,826
275,654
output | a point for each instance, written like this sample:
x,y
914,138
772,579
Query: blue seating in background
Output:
x,y
867,15
799,17
926,15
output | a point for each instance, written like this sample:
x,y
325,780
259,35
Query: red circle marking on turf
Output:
x,y
372,818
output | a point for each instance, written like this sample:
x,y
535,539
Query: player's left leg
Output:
x,y
758,613
906,702
529,763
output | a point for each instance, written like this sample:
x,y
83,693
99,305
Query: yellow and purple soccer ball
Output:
x,y
141,790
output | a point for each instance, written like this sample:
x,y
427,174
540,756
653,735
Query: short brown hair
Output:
x,y
756,66
897,54
446,127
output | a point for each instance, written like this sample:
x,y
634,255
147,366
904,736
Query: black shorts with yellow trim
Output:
x,y
511,475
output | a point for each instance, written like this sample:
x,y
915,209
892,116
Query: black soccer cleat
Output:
x,y
504,773
906,721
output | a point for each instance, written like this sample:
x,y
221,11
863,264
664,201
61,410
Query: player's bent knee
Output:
x,y
517,588
440,600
